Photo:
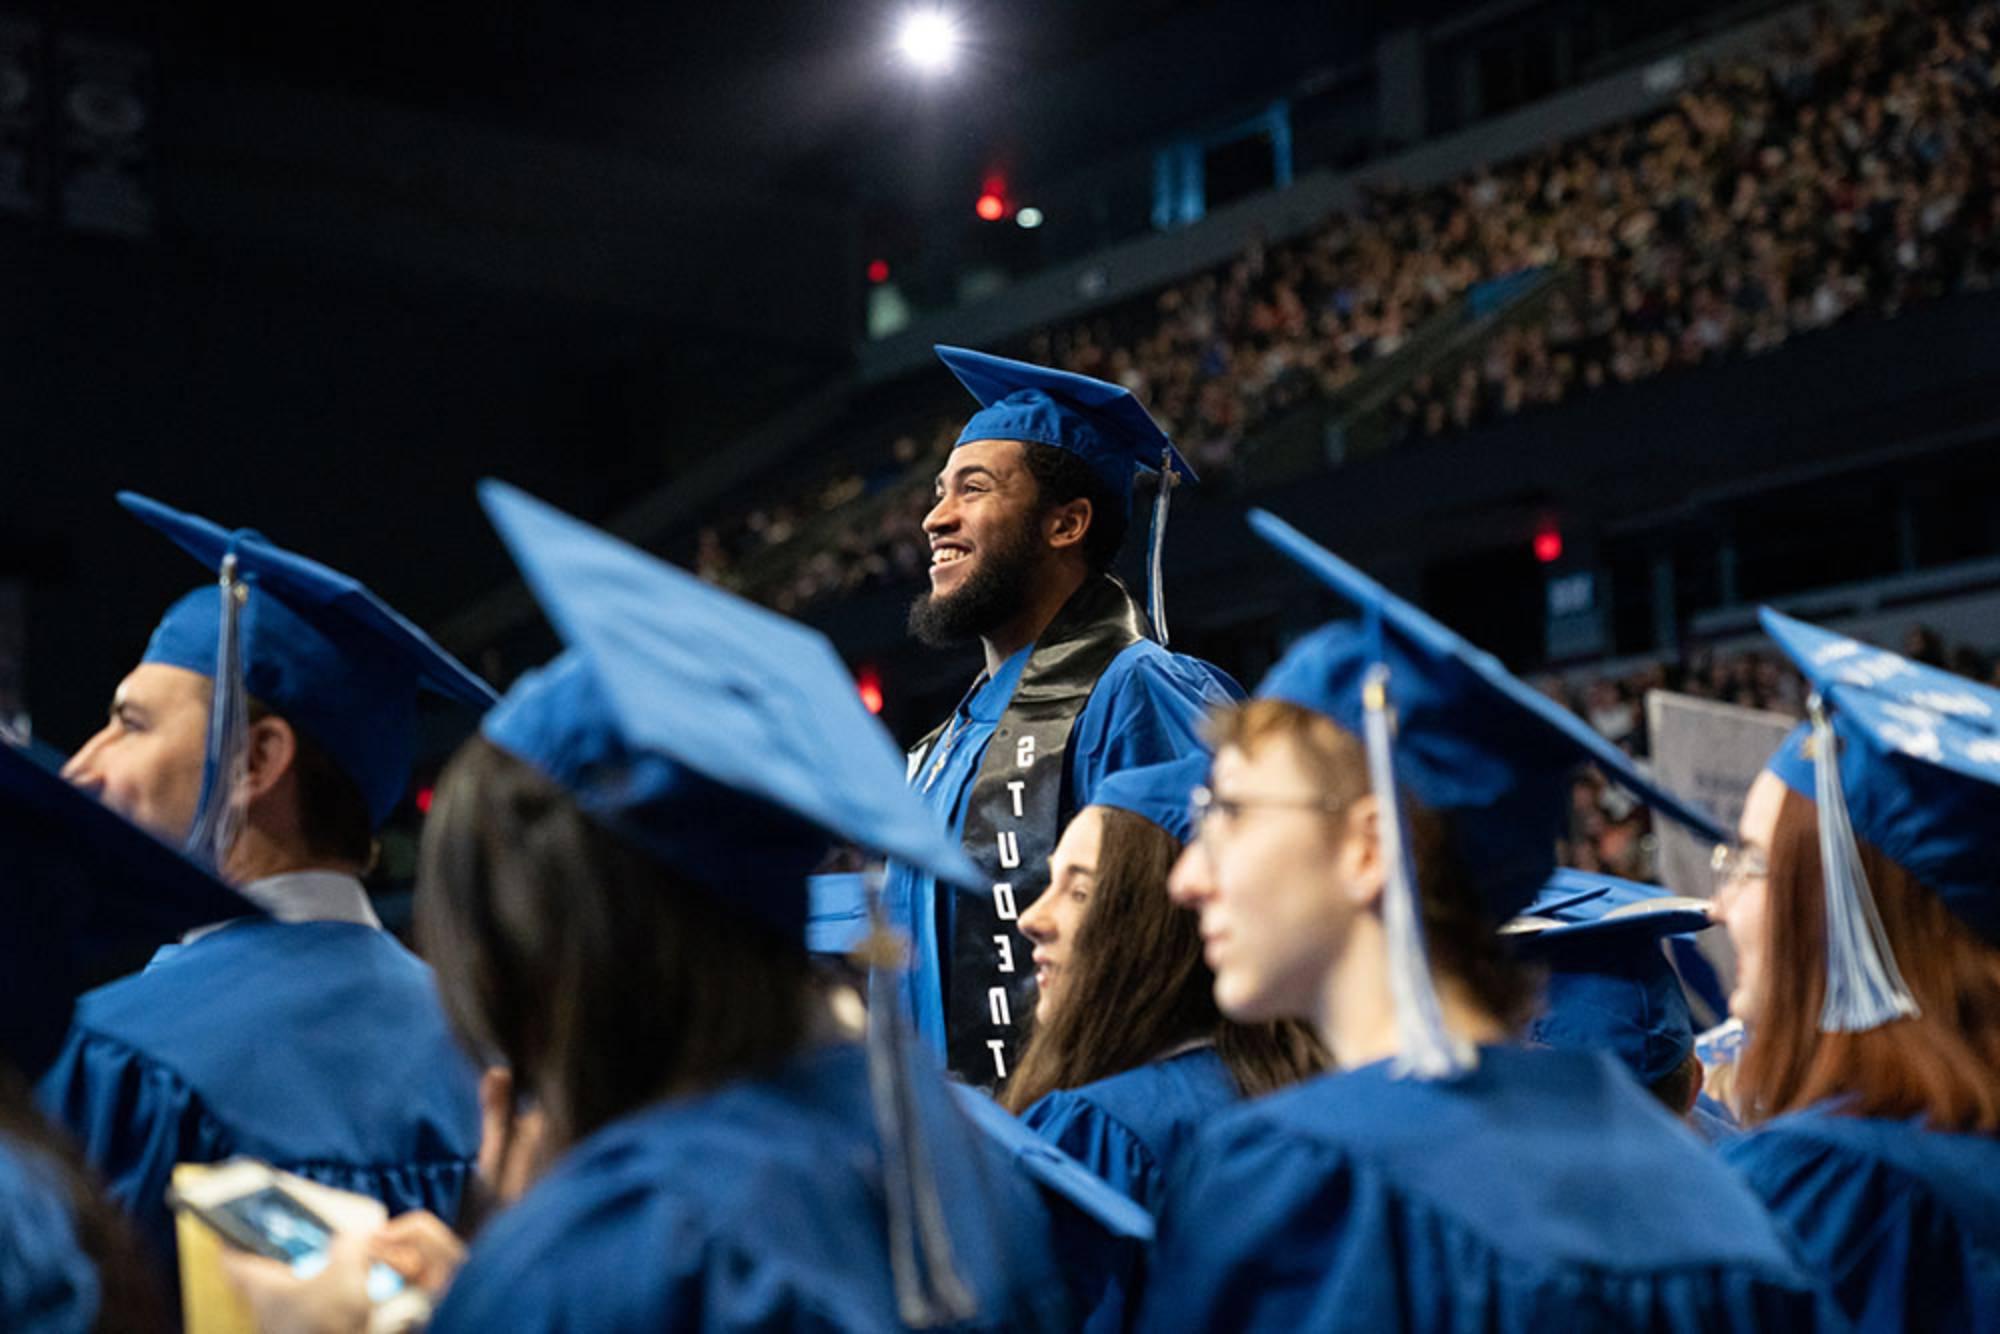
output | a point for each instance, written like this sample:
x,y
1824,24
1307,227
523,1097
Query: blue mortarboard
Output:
x,y
1610,986
1446,723
726,739
1471,738
1099,422
1919,762
730,743
315,645
88,896
1158,792
1915,770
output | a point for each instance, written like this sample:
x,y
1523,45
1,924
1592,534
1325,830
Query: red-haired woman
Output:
x,y
1864,905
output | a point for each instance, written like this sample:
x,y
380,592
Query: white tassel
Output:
x,y
1864,990
929,1290
1156,583
1425,1050
219,810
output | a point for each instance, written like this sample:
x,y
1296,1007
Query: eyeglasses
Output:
x,y
1204,805
1735,866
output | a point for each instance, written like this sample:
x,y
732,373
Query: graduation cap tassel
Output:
x,y
219,811
1156,583
1864,989
1425,1050
929,1290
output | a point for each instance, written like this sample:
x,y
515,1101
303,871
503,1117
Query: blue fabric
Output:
x,y
1146,708
47,1284
1919,762
726,740
89,894
1099,422
1130,1129
1903,1221
1610,987
339,663
757,1206
1158,792
1712,1121
319,1047
1542,1191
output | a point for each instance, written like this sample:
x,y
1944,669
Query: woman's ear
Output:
x,y
269,752
1358,853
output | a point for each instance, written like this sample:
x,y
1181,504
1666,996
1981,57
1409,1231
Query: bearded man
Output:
x,y
1032,508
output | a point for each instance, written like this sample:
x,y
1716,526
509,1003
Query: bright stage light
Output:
x,y
929,40
1029,218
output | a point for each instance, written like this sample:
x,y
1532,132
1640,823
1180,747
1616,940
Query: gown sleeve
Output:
x,y
1098,1140
134,1119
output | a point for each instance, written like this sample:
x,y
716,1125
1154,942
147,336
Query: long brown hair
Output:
x,y
1943,1065
1137,986
601,978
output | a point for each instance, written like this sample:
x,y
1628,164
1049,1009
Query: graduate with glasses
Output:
x,y
1390,798
1864,907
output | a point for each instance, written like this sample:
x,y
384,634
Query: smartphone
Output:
x,y
250,1208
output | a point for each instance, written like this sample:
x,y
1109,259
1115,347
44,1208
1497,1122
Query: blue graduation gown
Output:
x,y
1903,1221
756,1206
1146,708
47,1284
1544,1191
1132,1127
1712,1121
319,1047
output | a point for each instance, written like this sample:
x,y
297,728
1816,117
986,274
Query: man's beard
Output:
x,y
992,594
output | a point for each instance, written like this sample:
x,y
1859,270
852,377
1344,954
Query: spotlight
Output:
x,y
929,40
990,207
1028,218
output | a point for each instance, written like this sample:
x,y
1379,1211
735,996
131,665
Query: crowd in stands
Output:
x,y
1848,173
1608,831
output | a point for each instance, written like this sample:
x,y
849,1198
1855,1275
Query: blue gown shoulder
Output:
x,y
320,1047
1903,1220
47,1284
758,1206
1131,1127
1544,1190
1146,708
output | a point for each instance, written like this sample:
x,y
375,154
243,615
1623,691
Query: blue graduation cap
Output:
x,y
1158,792
730,743
312,643
1610,986
88,896
1907,757
726,739
1469,740
1099,422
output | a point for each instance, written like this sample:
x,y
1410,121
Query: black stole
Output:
x,y
1012,823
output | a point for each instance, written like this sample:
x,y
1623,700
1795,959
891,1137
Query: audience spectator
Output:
x,y
1846,174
